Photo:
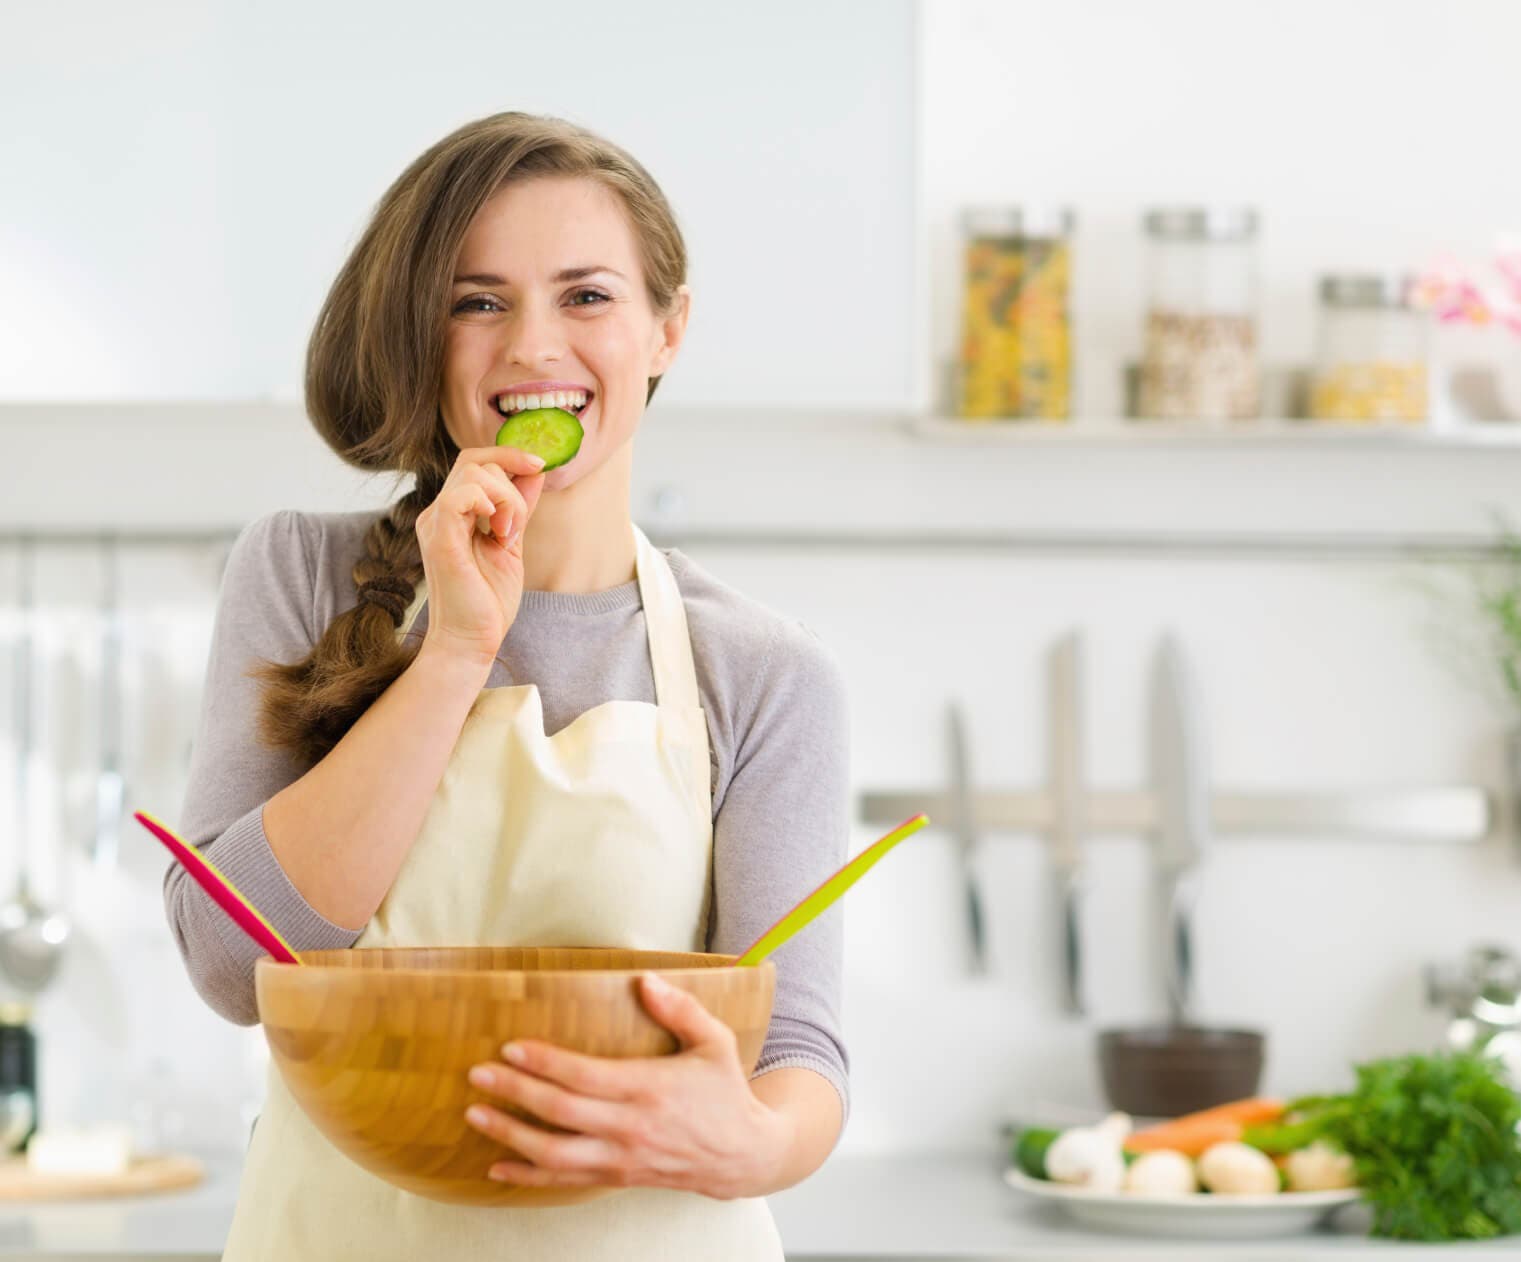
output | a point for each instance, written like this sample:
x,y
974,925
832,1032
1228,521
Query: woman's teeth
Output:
x,y
570,400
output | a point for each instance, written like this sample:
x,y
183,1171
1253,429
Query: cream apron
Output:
x,y
600,835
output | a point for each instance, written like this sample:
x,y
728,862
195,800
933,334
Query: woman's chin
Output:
x,y
566,475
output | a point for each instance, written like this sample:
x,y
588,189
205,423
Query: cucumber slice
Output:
x,y
552,433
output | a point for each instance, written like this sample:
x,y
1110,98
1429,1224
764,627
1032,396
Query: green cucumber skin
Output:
x,y
1030,1151
554,456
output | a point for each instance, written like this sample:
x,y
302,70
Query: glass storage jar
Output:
x,y
1016,330
1200,347
1370,363
18,1078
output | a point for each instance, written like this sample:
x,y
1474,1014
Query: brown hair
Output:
x,y
374,366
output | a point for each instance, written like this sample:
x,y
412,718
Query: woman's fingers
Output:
x,y
507,510
585,1153
552,1103
513,460
467,500
492,468
530,488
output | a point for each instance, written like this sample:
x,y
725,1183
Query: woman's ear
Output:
x,y
670,331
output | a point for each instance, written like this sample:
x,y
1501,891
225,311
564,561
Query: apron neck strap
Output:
x,y
665,622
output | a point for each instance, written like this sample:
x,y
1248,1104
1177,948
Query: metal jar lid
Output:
x,y
1366,289
1017,221
1202,223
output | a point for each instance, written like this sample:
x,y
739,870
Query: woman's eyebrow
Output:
x,y
569,273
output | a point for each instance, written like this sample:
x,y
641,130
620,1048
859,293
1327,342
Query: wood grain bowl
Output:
x,y
375,1044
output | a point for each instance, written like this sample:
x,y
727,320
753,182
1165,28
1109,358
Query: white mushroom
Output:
x,y
1164,1172
1236,1169
1319,1168
1090,1156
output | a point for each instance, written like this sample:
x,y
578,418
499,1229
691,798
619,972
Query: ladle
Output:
x,y
32,936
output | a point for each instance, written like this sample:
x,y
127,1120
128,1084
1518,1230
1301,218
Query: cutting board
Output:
x,y
145,1175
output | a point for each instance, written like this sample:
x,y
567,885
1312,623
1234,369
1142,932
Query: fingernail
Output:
x,y
499,1175
656,982
480,1076
538,461
476,1115
512,539
513,1054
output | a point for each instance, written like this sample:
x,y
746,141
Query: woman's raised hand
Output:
x,y
472,549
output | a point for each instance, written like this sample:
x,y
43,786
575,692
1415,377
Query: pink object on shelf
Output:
x,y
222,891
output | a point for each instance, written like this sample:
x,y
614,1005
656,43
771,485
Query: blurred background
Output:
x,y
1026,338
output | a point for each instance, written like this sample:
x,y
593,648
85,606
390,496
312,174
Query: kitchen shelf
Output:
x,y
1280,433
879,480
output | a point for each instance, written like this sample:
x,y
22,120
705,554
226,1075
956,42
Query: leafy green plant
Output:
x,y
1434,1138
1500,601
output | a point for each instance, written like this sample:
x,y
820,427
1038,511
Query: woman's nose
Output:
x,y
534,336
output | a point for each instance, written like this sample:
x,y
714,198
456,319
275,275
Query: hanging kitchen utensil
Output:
x,y
822,898
1067,813
110,787
222,891
1181,779
32,936
1166,1071
963,825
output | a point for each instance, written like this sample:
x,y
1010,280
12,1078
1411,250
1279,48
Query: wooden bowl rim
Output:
x,y
314,969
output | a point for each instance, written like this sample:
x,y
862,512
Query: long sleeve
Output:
x,y
264,612
782,828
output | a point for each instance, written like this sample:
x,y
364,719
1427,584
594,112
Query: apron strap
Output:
x,y
665,623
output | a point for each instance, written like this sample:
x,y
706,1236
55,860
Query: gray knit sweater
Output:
x,y
778,729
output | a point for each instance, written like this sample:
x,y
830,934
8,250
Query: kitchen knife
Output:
x,y
1067,816
964,829
1180,778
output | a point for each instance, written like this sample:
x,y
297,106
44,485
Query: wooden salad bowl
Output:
x,y
375,1043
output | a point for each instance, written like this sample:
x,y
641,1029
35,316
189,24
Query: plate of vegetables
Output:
x,y
1430,1142
1196,1175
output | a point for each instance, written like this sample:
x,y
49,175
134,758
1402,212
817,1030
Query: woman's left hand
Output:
x,y
687,1121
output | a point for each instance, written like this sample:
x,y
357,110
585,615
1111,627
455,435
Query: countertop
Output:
x,y
923,1207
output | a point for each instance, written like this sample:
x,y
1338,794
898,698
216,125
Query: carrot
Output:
x,y
1191,1139
1192,1133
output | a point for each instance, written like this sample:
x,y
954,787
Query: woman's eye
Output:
x,y
479,303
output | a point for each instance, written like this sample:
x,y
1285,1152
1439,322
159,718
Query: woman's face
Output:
x,y
519,317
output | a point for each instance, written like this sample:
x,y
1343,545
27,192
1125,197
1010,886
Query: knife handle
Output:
x,y
974,920
1072,951
1180,952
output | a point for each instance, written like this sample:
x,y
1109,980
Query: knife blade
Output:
x,y
1067,814
964,829
1180,778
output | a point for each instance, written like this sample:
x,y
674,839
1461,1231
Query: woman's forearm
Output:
x,y
812,1107
342,830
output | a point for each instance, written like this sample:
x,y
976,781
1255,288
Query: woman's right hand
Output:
x,y
475,576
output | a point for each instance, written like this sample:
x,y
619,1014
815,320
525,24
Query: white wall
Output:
x,y
190,176
1310,677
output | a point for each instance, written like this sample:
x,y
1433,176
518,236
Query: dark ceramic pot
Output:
x,y
1165,1071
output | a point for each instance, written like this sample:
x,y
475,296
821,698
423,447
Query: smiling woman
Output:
x,y
497,714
